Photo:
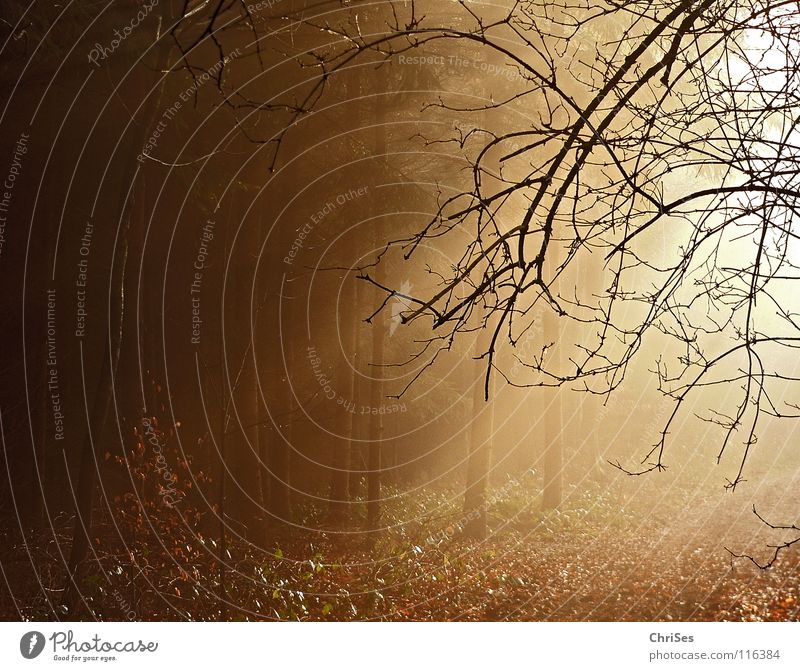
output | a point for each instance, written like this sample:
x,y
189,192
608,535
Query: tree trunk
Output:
x,y
89,464
275,421
280,452
376,423
379,330
553,422
221,478
478,461
357,461
89,461
240,380
343,422
553,460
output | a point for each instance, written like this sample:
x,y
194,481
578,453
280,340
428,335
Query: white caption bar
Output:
x,y
399,646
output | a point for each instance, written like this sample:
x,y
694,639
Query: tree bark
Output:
x,y
357,462
279,453
88,469
553,422
479,457
376,423
241,381
340,463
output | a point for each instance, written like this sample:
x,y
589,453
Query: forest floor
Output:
x,y
629,549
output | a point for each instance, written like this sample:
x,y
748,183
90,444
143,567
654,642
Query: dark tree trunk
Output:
x,y
276,401
340,463
241,385
88,469
280,451
221,493
89,463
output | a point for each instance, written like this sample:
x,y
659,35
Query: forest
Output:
x,y
400,310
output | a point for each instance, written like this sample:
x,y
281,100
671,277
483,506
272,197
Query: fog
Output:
x,y
471,308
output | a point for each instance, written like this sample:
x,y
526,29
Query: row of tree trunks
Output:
x,y
363,433
114,336
550,414
359,449
89,464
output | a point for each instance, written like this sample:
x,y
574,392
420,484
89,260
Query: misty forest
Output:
x,y
400,310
